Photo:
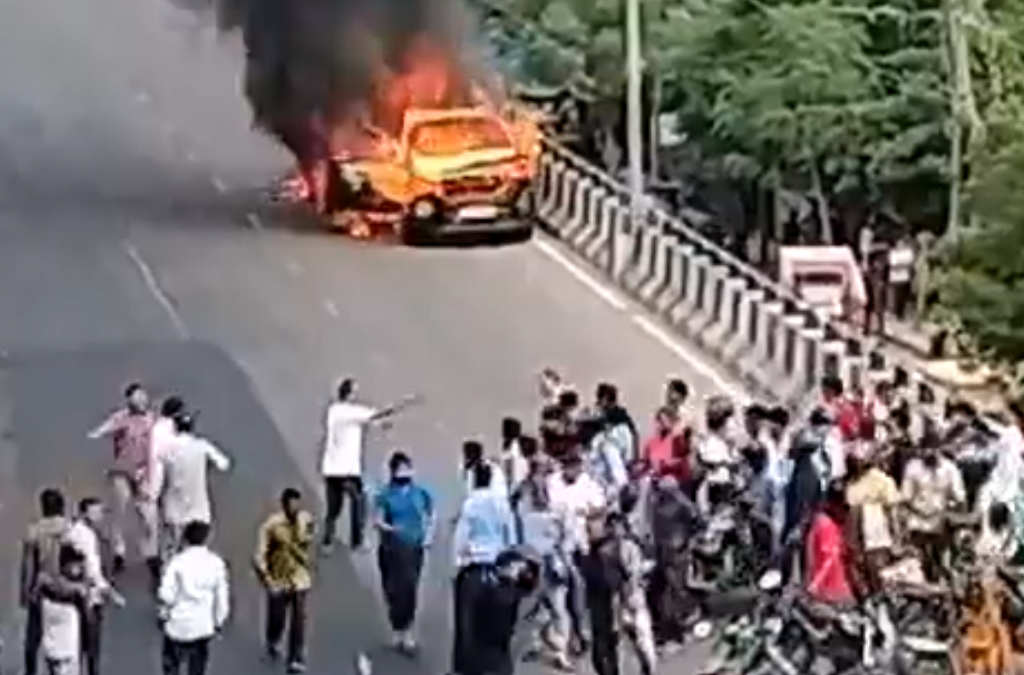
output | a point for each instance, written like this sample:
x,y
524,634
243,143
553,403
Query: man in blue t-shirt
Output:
x,y
405,520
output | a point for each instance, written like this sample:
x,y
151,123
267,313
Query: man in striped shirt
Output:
x,y
131,471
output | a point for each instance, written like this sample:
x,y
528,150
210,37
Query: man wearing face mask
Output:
x,y
404,515
932,486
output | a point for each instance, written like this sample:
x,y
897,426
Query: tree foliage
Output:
x,y
980,274
809,95
979,280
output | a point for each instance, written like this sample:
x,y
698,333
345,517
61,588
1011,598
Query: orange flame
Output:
x,y
428,80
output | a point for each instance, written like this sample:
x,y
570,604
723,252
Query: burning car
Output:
x,y
447,170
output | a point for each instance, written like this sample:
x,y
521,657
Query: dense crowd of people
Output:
x,y
591,530
640,535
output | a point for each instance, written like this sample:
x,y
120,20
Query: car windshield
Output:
x,y
455,136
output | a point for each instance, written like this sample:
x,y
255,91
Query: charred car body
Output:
x,y
449,170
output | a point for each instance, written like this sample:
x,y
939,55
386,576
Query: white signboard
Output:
x,y
826,277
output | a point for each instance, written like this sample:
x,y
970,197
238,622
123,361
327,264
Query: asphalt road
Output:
x,y
134,245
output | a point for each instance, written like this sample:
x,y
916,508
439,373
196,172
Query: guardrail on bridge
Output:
x,y
758,329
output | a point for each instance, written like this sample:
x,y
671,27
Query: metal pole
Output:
x,y
634,120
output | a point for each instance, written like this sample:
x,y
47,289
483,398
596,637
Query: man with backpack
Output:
x,y
40,560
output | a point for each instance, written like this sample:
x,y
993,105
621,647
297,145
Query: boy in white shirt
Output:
x,y
64,600
84,537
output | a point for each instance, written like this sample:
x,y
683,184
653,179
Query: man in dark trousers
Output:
x,y
194,603
283,565
40,558
611,569
484,532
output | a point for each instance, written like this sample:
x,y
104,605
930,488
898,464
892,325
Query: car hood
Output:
x,y
467,163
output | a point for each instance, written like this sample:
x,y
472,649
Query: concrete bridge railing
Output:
x,y
761,331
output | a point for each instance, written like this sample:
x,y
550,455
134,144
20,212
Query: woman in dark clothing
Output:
x,y
673,519
604,578
488,647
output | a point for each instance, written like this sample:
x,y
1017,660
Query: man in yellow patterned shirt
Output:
x,y
284,566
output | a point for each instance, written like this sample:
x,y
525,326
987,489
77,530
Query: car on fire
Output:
x,y
446,171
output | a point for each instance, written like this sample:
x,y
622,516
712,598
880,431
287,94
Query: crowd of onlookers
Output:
x,y
590,525
860,488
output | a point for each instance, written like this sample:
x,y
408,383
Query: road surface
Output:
x,y
133,246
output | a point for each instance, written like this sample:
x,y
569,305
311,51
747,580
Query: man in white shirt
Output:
x,y
186,490
162,435
194,602
578,498
575,493
341,464
932,487
83,537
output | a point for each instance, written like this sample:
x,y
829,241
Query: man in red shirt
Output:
x,y
846,412
130,430
828,553
665,452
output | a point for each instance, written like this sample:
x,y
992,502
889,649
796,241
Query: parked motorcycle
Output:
x,y
791,635
742,645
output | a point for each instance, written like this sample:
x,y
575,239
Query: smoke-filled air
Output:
x,y
317,69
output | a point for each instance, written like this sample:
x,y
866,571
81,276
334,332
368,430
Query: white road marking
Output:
x,y
218,185
254,221
648,325
157,291
595,286
142,97
331,308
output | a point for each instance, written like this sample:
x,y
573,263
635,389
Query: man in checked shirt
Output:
x,y
131,474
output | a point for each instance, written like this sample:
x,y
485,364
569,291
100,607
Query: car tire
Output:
x,y
523,234
417,230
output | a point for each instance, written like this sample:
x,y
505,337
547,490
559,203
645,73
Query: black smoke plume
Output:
x,y
312,65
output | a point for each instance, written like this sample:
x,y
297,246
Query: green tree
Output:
x,y
978,280
782,87
980,275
